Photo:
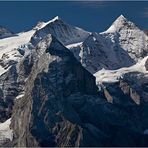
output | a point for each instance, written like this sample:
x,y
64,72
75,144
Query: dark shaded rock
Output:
x,y
53,78
62,107
146,64
146,32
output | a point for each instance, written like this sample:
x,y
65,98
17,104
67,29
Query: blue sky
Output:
x,y
92,16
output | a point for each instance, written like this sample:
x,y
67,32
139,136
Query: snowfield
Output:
x,y
111,76
9,46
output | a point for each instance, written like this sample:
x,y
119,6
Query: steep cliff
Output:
x,y
62,106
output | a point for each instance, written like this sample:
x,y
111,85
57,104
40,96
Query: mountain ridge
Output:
x,y
63,86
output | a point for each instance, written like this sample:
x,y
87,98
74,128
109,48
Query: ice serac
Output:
x,y
132,39
64,32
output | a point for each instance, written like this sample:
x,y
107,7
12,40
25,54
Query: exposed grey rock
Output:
x,y
62,107
54,77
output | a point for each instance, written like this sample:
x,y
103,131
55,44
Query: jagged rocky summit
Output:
x,y
63,86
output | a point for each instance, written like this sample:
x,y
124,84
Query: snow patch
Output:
x,y
19,96
111,76
74,45
5,131
2,70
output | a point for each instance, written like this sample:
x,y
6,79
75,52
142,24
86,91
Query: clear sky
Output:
x,y
92,16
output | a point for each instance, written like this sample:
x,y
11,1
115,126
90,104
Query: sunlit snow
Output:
x,y
5,131
114,75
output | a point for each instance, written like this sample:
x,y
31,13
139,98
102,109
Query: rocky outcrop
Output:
x,y
129,91
54,77
146,65
9,89
132,87
12,83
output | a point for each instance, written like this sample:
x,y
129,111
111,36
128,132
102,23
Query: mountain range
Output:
x,y
63,86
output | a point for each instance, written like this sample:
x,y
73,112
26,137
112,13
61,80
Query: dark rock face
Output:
x,y
12,83
146,32
54,78
146,64
62,107
8,90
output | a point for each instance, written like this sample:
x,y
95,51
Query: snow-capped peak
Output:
x,y
120,23
43,24
56,18
129,37
64,32
121,17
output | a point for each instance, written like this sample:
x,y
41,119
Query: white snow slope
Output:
x,y
5,131
8,47
111,76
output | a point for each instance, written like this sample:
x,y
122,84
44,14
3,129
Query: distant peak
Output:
x,y
56,18
121,17
43,24
119,23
